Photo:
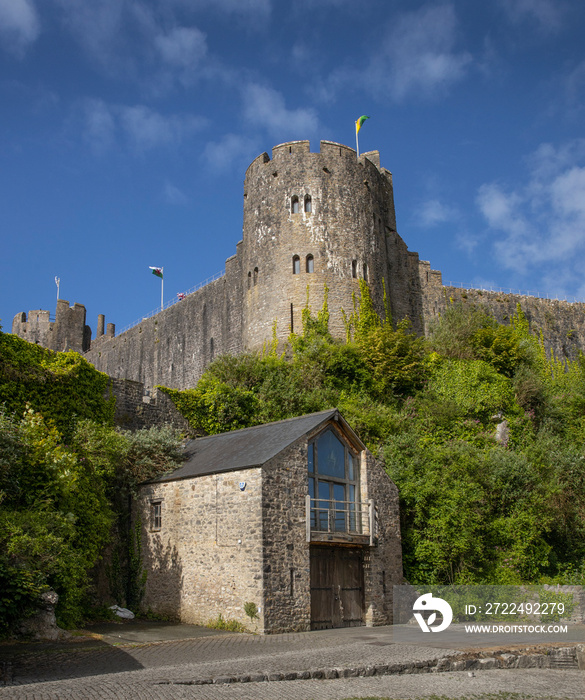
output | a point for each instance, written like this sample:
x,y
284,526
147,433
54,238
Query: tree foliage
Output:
x,y
65,478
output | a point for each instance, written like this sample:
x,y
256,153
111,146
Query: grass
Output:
x,y
227,625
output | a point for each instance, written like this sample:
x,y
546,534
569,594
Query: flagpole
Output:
x,y
57,282
162,283
357,143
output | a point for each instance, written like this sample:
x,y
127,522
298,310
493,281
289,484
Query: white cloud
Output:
x,y
418,56
542,222
183,47
126,39
173,195
99,125
142,127
265,107
546,13
433,212
97,27
231,151
149,129
252,9
19,26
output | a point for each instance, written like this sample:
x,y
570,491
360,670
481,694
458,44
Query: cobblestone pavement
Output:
x,y
530,683
95,669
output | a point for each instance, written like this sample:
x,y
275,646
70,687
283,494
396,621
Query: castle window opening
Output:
x,y
292,319
310,267
296,265
255,276
249,280
211,349
366,272
308,204
156,515
354,269
294,204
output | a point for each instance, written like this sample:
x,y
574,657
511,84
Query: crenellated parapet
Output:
x,y
65,331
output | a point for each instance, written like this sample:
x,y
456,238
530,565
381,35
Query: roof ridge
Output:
x,y
263,425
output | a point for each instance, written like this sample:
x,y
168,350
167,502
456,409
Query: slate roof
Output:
x,y
250,447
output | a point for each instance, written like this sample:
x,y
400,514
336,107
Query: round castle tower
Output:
x,y
313,220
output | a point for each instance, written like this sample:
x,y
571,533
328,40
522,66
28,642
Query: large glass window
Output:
x,y
333,481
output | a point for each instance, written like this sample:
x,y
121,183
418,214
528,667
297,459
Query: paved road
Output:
x,y
140,685
124,665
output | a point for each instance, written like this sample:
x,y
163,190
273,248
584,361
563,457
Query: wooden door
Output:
x,y
337,587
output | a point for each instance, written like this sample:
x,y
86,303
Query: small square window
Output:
x,y
156,515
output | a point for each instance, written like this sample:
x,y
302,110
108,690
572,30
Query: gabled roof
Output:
x,y
250,447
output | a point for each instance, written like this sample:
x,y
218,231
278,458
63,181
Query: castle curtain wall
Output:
x,y
174,347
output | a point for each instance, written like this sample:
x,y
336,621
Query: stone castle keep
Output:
x,y
311,221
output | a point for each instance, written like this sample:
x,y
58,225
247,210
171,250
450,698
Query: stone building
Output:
x,y
311,221
296,517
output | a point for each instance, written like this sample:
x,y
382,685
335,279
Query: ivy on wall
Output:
x,y
60,385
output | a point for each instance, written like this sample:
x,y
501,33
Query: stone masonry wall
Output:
x,y
287,585
206,559
138,408
562,323
67,332
351,215
382,563
174,347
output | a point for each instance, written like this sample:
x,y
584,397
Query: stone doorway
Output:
x,y
337,587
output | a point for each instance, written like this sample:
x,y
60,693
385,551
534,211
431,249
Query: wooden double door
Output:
x,y
337,587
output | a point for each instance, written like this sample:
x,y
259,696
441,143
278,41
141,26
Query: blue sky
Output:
x,y
126,127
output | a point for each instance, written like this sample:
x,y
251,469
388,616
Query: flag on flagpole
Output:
x,y
158,271
359,123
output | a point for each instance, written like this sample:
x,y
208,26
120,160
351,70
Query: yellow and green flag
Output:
x,y
359,123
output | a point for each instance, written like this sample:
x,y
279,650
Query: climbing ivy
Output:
x,y
62,386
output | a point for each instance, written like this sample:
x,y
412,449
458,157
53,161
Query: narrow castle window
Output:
x,y
249,280
308,204
354,269
294,204
255,276
296,265
310,263
366,272
211,349
156,515
292,319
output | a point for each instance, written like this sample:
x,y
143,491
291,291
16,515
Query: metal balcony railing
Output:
x,y
340,517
